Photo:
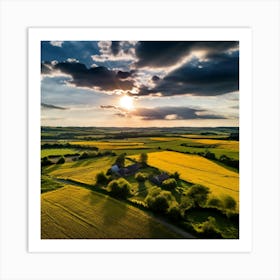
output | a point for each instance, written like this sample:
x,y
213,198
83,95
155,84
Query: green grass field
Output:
x,y
83,171
48,184
78,213
57,152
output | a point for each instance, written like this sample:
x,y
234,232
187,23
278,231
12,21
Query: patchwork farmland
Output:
x,y
154,183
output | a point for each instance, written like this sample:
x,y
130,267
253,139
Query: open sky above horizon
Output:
x,y
140,83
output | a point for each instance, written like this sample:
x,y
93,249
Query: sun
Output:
x,y
126,102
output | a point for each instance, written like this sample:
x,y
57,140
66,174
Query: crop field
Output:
x,y
57,152
75,205
110,145
199,136
198,170
224,144
83,171
78,213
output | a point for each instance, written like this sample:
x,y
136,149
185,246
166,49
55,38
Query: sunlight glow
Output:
x,y
126,102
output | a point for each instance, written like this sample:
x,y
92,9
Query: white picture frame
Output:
x,y
261,261
243,35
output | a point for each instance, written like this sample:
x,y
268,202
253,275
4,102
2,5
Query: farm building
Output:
x,y
115,168
126,171
158,179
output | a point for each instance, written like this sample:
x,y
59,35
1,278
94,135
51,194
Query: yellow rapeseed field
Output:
x,y
198,170
223,144
78,213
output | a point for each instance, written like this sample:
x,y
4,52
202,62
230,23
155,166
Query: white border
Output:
x,y
243,35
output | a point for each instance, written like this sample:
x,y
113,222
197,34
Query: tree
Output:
x,y
119,188
140,177
174,213
45,162
215,202
229,203
210,155
169,184
120,161
158,204
143,158
101,178
198,195
159,200
61,160
175,175
209,228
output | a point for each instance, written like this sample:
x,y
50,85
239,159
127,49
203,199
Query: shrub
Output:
x,y
209,228
169,184
159,200
84,155
174,213
198,195
140,177
120,160
175,175
215,202
61,160
101,178
45,162
186,203
119,188
158,204
210,155
143,158
229,203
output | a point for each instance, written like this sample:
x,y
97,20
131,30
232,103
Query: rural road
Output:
x,y
174,228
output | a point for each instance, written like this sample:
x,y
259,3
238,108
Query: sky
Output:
x,y
140,83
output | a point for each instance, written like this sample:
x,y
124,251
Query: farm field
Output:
x,y
66,213
198,170
57,152
110,145
78,213
83,171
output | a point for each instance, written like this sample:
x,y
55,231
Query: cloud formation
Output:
x,y
93,78
198,68
215,76
56,43
164,113
167,53
50,106
174,113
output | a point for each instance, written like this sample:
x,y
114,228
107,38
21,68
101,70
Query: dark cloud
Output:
x,y
46,68
94,77
174,113
168,53
202,78
155,78
124,75
108,107
49,106
115,47
163,113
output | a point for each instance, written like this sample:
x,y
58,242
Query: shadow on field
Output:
x,y
113,213
81,162
52,168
